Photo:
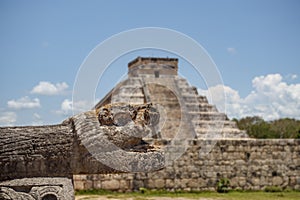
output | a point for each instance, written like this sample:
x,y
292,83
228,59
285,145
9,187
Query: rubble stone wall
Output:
x,y
248,164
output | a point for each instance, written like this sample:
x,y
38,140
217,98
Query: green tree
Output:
x,y
286,128
259,128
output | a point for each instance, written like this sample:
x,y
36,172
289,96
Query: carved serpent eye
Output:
x,y
105,117
121,118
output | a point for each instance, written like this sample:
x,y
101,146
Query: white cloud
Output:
x,y
8,118
47,88
223,97
271,98
24,102
291,77
294,76
68,108
231,50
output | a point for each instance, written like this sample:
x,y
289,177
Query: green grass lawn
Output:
x,y
293,195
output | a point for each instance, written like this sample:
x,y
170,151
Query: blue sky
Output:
x,y
255,45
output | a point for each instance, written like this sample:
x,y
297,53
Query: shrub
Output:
x,y
143,190
273,189
223,185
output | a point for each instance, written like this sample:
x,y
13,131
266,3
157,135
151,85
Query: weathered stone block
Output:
x,y
169,183
159,183
37,188
88,184
111,185
193,183
124,184
97,184
151,184
79,184
277,181
255,181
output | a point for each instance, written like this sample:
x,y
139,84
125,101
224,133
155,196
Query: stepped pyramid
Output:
x,y
183,112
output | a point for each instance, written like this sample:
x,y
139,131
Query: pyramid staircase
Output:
x,y
184,113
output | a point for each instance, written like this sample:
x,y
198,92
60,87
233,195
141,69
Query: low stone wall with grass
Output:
x,y
247,164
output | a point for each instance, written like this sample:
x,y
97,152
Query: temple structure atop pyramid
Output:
x,y
183,112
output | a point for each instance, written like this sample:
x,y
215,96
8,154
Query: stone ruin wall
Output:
x,y
248,164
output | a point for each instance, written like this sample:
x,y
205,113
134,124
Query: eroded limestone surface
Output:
x,y
38,162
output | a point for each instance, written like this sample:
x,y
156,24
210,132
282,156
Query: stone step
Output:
x,y
202,99
133,81
223,134
204,123
211,116
164,81
216,130
181,82
128,85
189,90
129,90
202,107
240,134
194,98
189,99
134,98
220,131
165,101
126,95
